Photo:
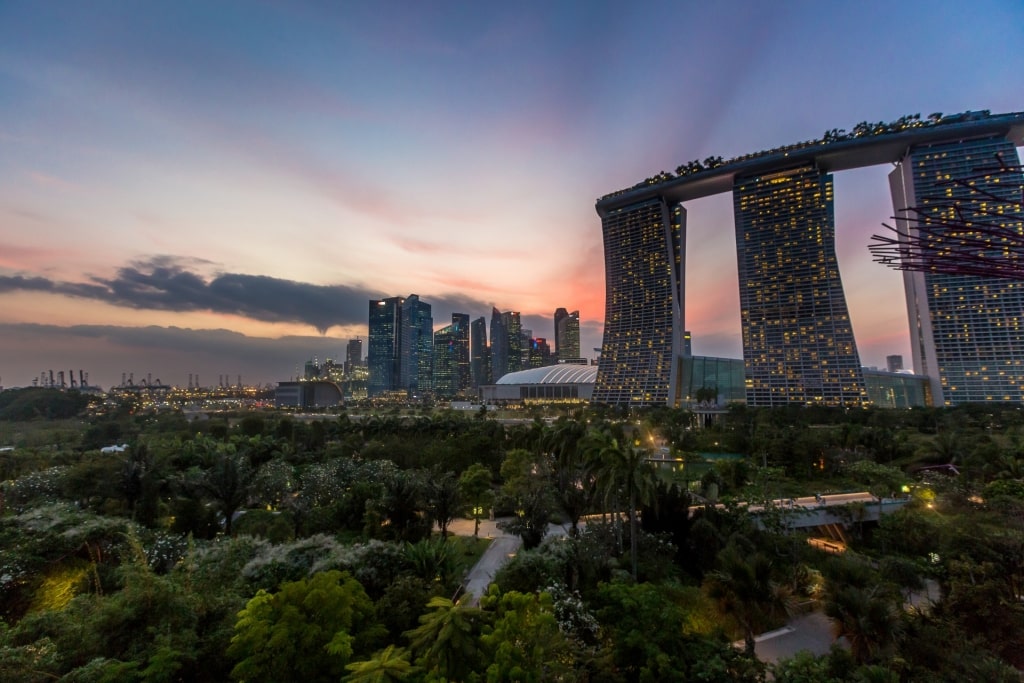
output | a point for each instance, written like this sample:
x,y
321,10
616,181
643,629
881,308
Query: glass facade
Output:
x,y
967,331
506,343
479,364
567,335
417,347
383,359
446,370
643,246
726,376
896,389
798,343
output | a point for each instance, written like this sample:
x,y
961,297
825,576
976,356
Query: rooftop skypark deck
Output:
x,y
867,144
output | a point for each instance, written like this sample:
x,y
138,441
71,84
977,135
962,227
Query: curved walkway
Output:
x,y
503,548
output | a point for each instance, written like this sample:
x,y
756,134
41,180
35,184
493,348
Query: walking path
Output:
x,y
811,632
503,548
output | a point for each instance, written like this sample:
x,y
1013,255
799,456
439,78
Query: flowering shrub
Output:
x,y
35,488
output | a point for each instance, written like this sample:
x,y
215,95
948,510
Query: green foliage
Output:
x,y
475,489
308,630
803,667
745,589
1005,488
35,403
447,641
525,642
529,493
650,638
276,527
390,665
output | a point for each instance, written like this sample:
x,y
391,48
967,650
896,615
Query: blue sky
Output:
x,y
209,188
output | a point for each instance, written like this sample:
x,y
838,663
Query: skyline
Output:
x,y
194,189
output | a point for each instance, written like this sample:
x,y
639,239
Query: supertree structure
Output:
x,y
964,227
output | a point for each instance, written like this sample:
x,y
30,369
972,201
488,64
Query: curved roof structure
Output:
x,y
828,156
553,374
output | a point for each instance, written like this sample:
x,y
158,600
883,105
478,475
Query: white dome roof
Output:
x,y
566,373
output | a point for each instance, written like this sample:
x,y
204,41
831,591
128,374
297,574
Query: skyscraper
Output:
x,y
643,265
798,345
797,337
567,335
966,331
417,350
540,353
353,355
383,357
460,325
506,343
401,341
499,346
894,363
451,357
479,363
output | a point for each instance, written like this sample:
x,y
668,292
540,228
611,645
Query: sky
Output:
x,y
219,189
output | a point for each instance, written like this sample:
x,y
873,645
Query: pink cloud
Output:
x,y
18,257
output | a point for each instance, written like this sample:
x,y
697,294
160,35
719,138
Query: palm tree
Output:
x,y
390,665
866,618
447,639
574,488
229,482
745,590
443,499
623,470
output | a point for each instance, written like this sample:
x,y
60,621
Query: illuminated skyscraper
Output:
x,y
643,265
353,355
383,356
567,334
451,357
506,343
966,331
417,347
480,354
798,343
460,325
401,346
798,340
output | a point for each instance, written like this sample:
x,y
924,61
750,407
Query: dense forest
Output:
x,y
261,547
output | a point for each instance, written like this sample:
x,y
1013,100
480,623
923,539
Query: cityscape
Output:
x,y
459,342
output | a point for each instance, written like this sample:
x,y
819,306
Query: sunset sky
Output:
x,y
220,187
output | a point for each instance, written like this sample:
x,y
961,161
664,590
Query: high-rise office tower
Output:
x,y
417,366
687,343
643,265
383,356
966,331
353,355
525,340
460,323
894,363
478,364
567,335
499,346
506,343
540,353
798,345
451,357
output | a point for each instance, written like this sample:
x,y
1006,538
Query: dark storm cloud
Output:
x,y
18,283
166,284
